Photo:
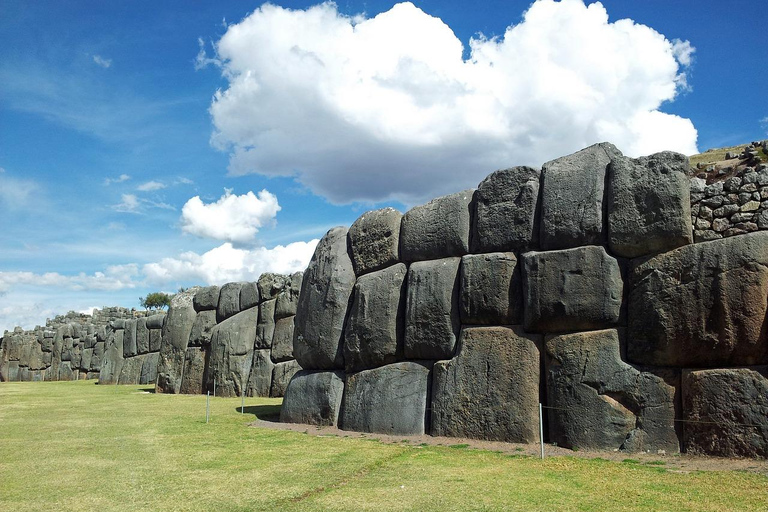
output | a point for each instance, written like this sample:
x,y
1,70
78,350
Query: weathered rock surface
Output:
x,y
649,204
149,369
702,305
176,331
288,298
129,342
260,379
491,289
202,328
374,331
112,362
438,229
432,309
249,296
726,412
195,365
270,285
282,340
572,289
391,399
600,402
142,336
155,339
229,301
155,322
490,390
325,294
374,240
572,198
231,354
265,330
505,215
131,370
281,376
313,397
207,298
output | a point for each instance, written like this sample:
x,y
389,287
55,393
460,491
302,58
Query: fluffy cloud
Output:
x,y
115,277
226,263
386,108
129,204
151,186
119,179
232,218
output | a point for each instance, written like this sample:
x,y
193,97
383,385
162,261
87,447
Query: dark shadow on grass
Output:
x,y
148,390
263,412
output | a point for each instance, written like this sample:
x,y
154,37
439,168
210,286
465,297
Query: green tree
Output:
x,y
155,300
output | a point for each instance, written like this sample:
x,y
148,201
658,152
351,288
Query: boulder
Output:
x,y
131,371
505,211
491,289
490,390
313,397
112,361
249,296
176,331
702,305
155,340
438,229
129,344
229,301
432,309
231,356
571,290
206,298
288,298
599,402
195,364
572,198
725,412
325,293
281,376
391,399
265,330
155,321
282,340
374,332
202,328
649,204
270,285
85,359
149,369
374,240
142,336
96,357
260,379
66,372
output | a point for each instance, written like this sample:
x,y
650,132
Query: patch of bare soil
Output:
x,y
680,463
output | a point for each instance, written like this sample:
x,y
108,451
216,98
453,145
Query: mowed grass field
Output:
x,y
80,446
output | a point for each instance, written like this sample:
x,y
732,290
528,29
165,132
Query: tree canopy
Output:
x,y
155,300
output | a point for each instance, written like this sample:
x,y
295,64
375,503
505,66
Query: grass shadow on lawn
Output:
x,y
263,412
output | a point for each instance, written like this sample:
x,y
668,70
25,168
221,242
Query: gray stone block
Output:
x,y
600,402
491,289
176,331
391,399
202,328
726,412
231,355
432,309
288,298
229,301
112,361
155,340
149,369
156,321
490,390
571,290
649,204
572,198
129,344
281,376
260,379
270,285
374,240
131,371
505,211
195,363
249,296
702,305
438,229
265,330
142,336
325,294
313,397
207,298
282,341
374,332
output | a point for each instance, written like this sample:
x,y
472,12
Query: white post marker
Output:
x,y
541,430
207,406
214,388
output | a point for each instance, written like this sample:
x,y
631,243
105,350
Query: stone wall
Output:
x,y
577,285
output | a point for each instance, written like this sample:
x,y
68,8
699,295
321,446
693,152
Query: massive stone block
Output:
x,y
438,229
66,372
726,412
112,361
260,378
195,365
206,298
572,198
323,302
155,340
313,397
270,285
282,340
281,376
85,359
231,356
176,331
391,399
249,296
374,332
131,371
702,305
96,358
490,390
149,369
288,298
374,240
265,330
649,204
229,301
202,328
129,343
432,309
505,211
155,322
491,289
570,290
142,336
600,402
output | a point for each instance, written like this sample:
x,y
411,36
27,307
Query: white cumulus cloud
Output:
x,y
151,186
114,277
227,263
387,108
119,179
232,218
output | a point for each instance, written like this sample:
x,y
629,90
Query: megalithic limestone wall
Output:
x,y
578,286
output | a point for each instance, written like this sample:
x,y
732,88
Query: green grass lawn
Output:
x,y
79,446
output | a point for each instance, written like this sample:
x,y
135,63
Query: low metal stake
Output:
x,y
207,406
541,430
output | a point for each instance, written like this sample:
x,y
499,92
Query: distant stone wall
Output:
x,y
577,285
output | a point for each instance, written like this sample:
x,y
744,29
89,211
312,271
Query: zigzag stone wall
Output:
x,y
578,285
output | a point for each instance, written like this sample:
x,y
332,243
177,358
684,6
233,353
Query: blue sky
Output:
x,y
111,124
